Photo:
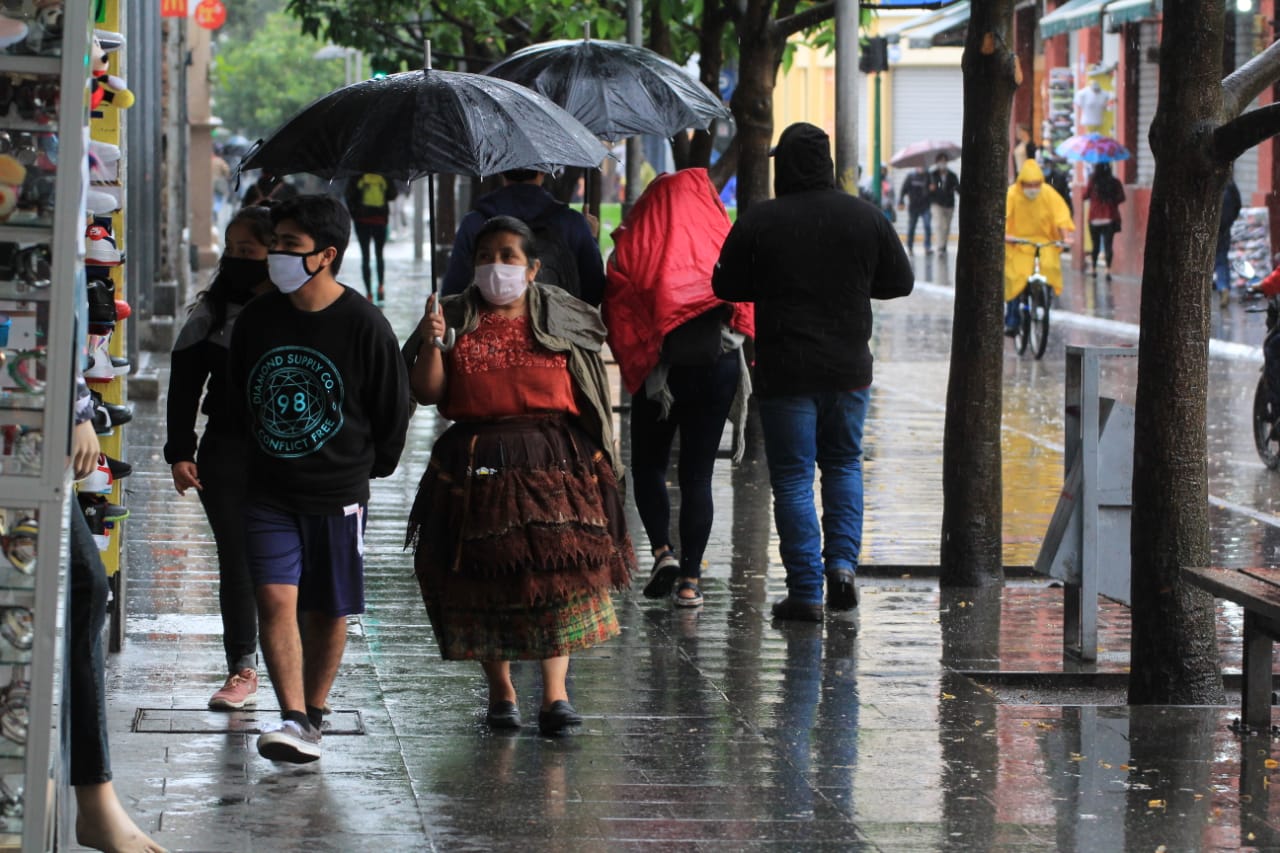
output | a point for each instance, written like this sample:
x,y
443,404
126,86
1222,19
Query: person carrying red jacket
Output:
x,y
679,348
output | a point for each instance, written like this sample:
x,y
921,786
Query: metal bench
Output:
x,y
1258,592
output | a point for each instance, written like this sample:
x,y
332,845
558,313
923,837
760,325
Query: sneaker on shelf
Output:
x,y
14,700
102,302
96,202
100,248
108,416
103,366
105,152
15,627
97,507
119,468
241,689
99,481
290,742
20,545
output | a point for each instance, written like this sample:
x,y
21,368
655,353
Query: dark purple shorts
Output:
x,y
322,555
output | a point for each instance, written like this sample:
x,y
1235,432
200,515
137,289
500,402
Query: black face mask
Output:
x,y
239,276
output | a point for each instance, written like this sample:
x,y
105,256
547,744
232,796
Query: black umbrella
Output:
x,y
617,90
418,123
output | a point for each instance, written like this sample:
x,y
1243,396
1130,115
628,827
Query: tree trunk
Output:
x,y
972,540
1174,648
752,101
710,66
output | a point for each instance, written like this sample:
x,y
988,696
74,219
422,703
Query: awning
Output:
x,y
1128,11
1072,15
941,28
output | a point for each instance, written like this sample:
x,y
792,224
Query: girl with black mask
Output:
x,y
216,470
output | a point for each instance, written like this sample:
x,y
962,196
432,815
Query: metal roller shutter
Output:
x,y
1148,92
927,103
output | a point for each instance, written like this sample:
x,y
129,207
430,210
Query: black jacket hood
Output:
x,y
802,160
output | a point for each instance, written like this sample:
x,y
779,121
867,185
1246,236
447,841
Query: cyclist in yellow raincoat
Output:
x,y
1033,211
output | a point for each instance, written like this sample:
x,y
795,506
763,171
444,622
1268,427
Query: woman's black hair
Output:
x,y
258,221
510,225
1106,185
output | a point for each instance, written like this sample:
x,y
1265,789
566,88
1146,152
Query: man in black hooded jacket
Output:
x,y
812,260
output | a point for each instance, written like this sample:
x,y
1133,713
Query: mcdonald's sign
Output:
x,y
173,8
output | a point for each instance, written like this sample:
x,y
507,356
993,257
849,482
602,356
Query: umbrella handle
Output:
x,y
450,335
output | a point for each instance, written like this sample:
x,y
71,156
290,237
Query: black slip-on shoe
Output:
x,y
842,593
801,611
503,715
557,718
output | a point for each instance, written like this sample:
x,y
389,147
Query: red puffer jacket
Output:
x,y
659,274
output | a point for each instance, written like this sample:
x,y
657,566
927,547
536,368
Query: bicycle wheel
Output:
x,y
1264,432
1023,335
1038,317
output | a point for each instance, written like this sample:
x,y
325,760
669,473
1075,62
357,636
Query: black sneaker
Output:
x,y
662,578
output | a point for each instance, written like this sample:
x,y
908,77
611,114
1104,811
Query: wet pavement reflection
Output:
x,y
715,729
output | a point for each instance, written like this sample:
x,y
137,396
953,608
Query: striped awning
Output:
x,y
1128,11
1072,15
943,27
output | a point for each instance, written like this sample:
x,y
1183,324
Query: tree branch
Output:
x,y
1236,137
800,21
1247,82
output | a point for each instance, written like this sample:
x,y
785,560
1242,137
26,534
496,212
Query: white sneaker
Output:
x,y
100,481
98,202
291,743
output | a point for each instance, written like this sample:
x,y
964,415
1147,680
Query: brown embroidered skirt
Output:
x,y
519,535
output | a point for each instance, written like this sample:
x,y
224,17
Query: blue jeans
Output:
x,y
800,431
1221,268
925,216
84,704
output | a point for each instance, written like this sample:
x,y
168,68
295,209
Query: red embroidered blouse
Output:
x,y
499,370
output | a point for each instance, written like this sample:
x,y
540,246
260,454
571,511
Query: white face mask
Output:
x,y
288,270
1031,192
501,284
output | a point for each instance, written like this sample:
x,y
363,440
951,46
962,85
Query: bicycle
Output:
x,y
1266,431
1033,304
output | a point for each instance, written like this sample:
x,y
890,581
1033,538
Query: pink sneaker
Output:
x,y
241,689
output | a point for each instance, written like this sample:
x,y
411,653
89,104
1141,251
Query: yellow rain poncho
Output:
x,y
1033,219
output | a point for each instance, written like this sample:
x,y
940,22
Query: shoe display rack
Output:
x,y
43,176
1060,117
104,257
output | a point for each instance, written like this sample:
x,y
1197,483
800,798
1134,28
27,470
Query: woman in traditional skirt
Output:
x,y
518,524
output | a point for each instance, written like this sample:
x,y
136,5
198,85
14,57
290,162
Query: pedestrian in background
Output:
x,y
886,195
1023,149
317,375
198,383
1105,194
914,196
369,200
568,252
518,527
943,186
1231,205
679,348
811,260
268,190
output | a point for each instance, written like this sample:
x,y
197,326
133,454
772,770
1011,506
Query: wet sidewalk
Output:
x,y
710,730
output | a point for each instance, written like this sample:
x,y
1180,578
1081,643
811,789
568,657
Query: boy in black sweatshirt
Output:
x,y
315,370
